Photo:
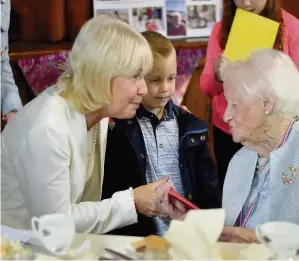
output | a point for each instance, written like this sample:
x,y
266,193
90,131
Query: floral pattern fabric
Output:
x,y
43,72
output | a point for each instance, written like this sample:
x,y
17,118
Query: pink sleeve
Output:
x,y
291,37
294,45
208,83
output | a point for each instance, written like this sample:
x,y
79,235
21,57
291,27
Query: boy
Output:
x,y
161,140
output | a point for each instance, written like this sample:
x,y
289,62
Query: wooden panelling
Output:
x,y
198,103
22,50
291,6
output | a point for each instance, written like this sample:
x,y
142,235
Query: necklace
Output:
x,y
91,152
95,137
260,168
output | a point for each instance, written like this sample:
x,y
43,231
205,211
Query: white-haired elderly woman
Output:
x,y
263,114
53,150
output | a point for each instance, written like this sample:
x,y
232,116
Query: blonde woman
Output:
x,y
53,150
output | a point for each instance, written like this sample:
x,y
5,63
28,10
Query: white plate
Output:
x,y
229,251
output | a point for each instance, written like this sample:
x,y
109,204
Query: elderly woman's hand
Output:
x,y
219,65
170,207
146,198
238,235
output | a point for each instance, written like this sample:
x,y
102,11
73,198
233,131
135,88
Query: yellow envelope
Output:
x,y
249,32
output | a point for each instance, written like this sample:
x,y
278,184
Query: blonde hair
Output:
x,y
267,73
159,44
104,49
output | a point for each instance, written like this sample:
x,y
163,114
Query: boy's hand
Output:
x,y
185,108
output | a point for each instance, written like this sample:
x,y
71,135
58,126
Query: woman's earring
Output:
x,y
267,112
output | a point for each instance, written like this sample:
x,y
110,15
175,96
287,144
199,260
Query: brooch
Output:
x,y
111,124
284,178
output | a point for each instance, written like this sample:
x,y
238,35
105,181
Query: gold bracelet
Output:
x,y
132,193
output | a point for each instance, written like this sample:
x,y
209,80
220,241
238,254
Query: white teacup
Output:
x,y
55,231
281,237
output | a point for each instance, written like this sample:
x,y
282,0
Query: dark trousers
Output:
x,y
224,149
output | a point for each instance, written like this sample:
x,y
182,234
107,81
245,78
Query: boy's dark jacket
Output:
x,y
125,164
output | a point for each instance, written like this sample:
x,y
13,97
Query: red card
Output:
x,y
183,200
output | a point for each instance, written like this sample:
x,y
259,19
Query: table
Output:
x,y
98,242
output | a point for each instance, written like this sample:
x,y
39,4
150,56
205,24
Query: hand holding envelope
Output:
x,y
249,32
146,197
167,206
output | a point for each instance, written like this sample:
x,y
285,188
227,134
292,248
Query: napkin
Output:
x,y
255,252
195,237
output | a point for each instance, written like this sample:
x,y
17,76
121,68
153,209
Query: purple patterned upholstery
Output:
x,y
187,60
42,72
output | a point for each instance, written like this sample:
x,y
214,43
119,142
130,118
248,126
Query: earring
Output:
x,y
267,112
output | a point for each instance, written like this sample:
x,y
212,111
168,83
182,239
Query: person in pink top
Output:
x,y
211,82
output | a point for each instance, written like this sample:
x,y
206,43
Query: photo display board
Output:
x,y
172,18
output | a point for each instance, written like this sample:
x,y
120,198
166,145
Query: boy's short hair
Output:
x,y
159,44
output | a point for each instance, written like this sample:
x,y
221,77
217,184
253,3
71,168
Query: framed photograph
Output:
x,y
122,14
176,19
172,18
148,19
202,16
200,19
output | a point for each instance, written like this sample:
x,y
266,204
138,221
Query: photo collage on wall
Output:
x,y
172,18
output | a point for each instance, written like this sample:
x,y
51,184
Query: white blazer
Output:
x,y
44,164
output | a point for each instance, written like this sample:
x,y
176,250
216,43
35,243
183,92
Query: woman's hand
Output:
x,y
146,198
238,235
170,207
219,65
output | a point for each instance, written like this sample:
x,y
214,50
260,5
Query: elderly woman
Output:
x,y
263,114
53,150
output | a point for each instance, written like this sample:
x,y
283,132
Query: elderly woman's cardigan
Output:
x,y
282,201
